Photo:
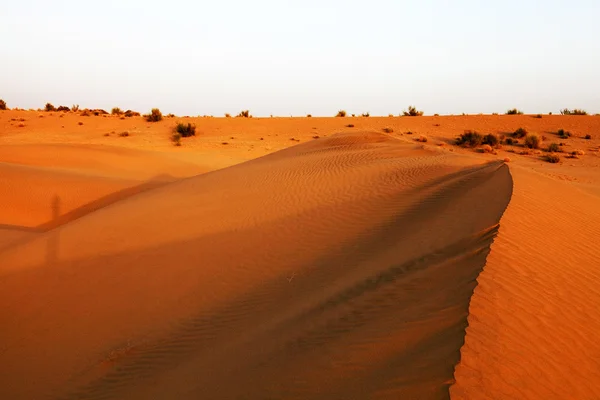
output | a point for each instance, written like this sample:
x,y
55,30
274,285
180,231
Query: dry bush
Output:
x,y
576,111
412,112
509,141
130,114
491,139
588,137
554,148
366,115
75,107
85,113
21,125
486,148
514,111
2,105
49,107
227,115
124,134
552,158
176,139
185,130
80,123
63,109
519,133
341,113
469,139
154,116
537,116
422,139
532,141
171,115
308,116
244,114
388,130
563,134
116,111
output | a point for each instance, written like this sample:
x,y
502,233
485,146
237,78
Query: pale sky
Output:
x,y
297,57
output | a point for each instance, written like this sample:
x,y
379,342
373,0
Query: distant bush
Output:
x,y
588,136
308,116
519,133
49,107
185,130
227,115
75,107
244,114
116,111
436,115
154,116
390,115
366,115
532,141
422,139
552,158
412,112
491,139
554,148
514,111
130,113
124,134
563,134
469,139
566,111
2,105
176,139
99,112
63,109
537,116
509,141
350,126
388,130
85,113
341,113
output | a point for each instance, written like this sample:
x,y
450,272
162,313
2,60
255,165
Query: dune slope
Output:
x,y
339,268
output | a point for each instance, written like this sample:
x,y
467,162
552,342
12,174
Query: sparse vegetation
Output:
x,y
154,116
390,115
436,115
576,111
422,139
552,158
412,112
520,133
469,139
21,125
308,116
130,114
491,139
588,137
537,116
2,105
63,109
116,111
171,115
185,130
388,130
350,126
563,134
514,111
341,113
244,114
366,115
509,141
176,139
227,115
124,134
75,107
532,141
554,148
49,107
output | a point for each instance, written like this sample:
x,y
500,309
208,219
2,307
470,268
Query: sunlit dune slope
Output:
x,y
339,268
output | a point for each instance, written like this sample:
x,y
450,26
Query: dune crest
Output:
x,y
339,268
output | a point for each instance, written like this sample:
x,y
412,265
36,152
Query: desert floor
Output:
x,y
297,258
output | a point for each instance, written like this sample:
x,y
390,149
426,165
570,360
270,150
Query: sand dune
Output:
x,y
314,261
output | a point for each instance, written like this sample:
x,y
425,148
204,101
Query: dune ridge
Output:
x,y
314,261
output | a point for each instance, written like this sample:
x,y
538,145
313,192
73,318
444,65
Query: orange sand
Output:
x,y
341,266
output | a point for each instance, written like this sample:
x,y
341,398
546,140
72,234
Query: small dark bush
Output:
x,y
469,139
532,141
2,105
227,115
341,114
185,130
308,116
491,139
412,112
552,158
49,107
366,115
124,134
130,113
244,114
350,126
520,133
75,107
563,134
170,115
116,111
509,141
566,111
537,116
436,115
514,111
63,109
588,137
554,148
388,130
154,116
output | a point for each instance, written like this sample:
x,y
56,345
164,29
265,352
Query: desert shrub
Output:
x,y
176,139
49,107
116,111
494,113
532,141
308,116
576,111
75,107
469,139
244,114
422,139
554,148
552,158
341,113
80,123
520,133
491,139
509,141
514,111
388,130
412,112
563,134
537,116
130,113
390,115
588,136
100,111
154,116
85,113
227,115
63,109
124,134
436,115
185,130
366,115
350,126
2,105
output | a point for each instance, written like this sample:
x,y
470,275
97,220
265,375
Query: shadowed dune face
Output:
x,y
340,268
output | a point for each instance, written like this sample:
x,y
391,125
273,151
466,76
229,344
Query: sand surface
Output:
x,y
296,258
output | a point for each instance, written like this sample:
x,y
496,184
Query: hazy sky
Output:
x,y
297,57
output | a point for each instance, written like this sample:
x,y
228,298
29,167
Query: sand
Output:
x,y
345,263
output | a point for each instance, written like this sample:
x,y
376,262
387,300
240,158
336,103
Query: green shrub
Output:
x,y
341,113
412,112
469,139
554,148
2,105
520,133
491,139
185,130
49,107
154,116
532,141
514,111
116,111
